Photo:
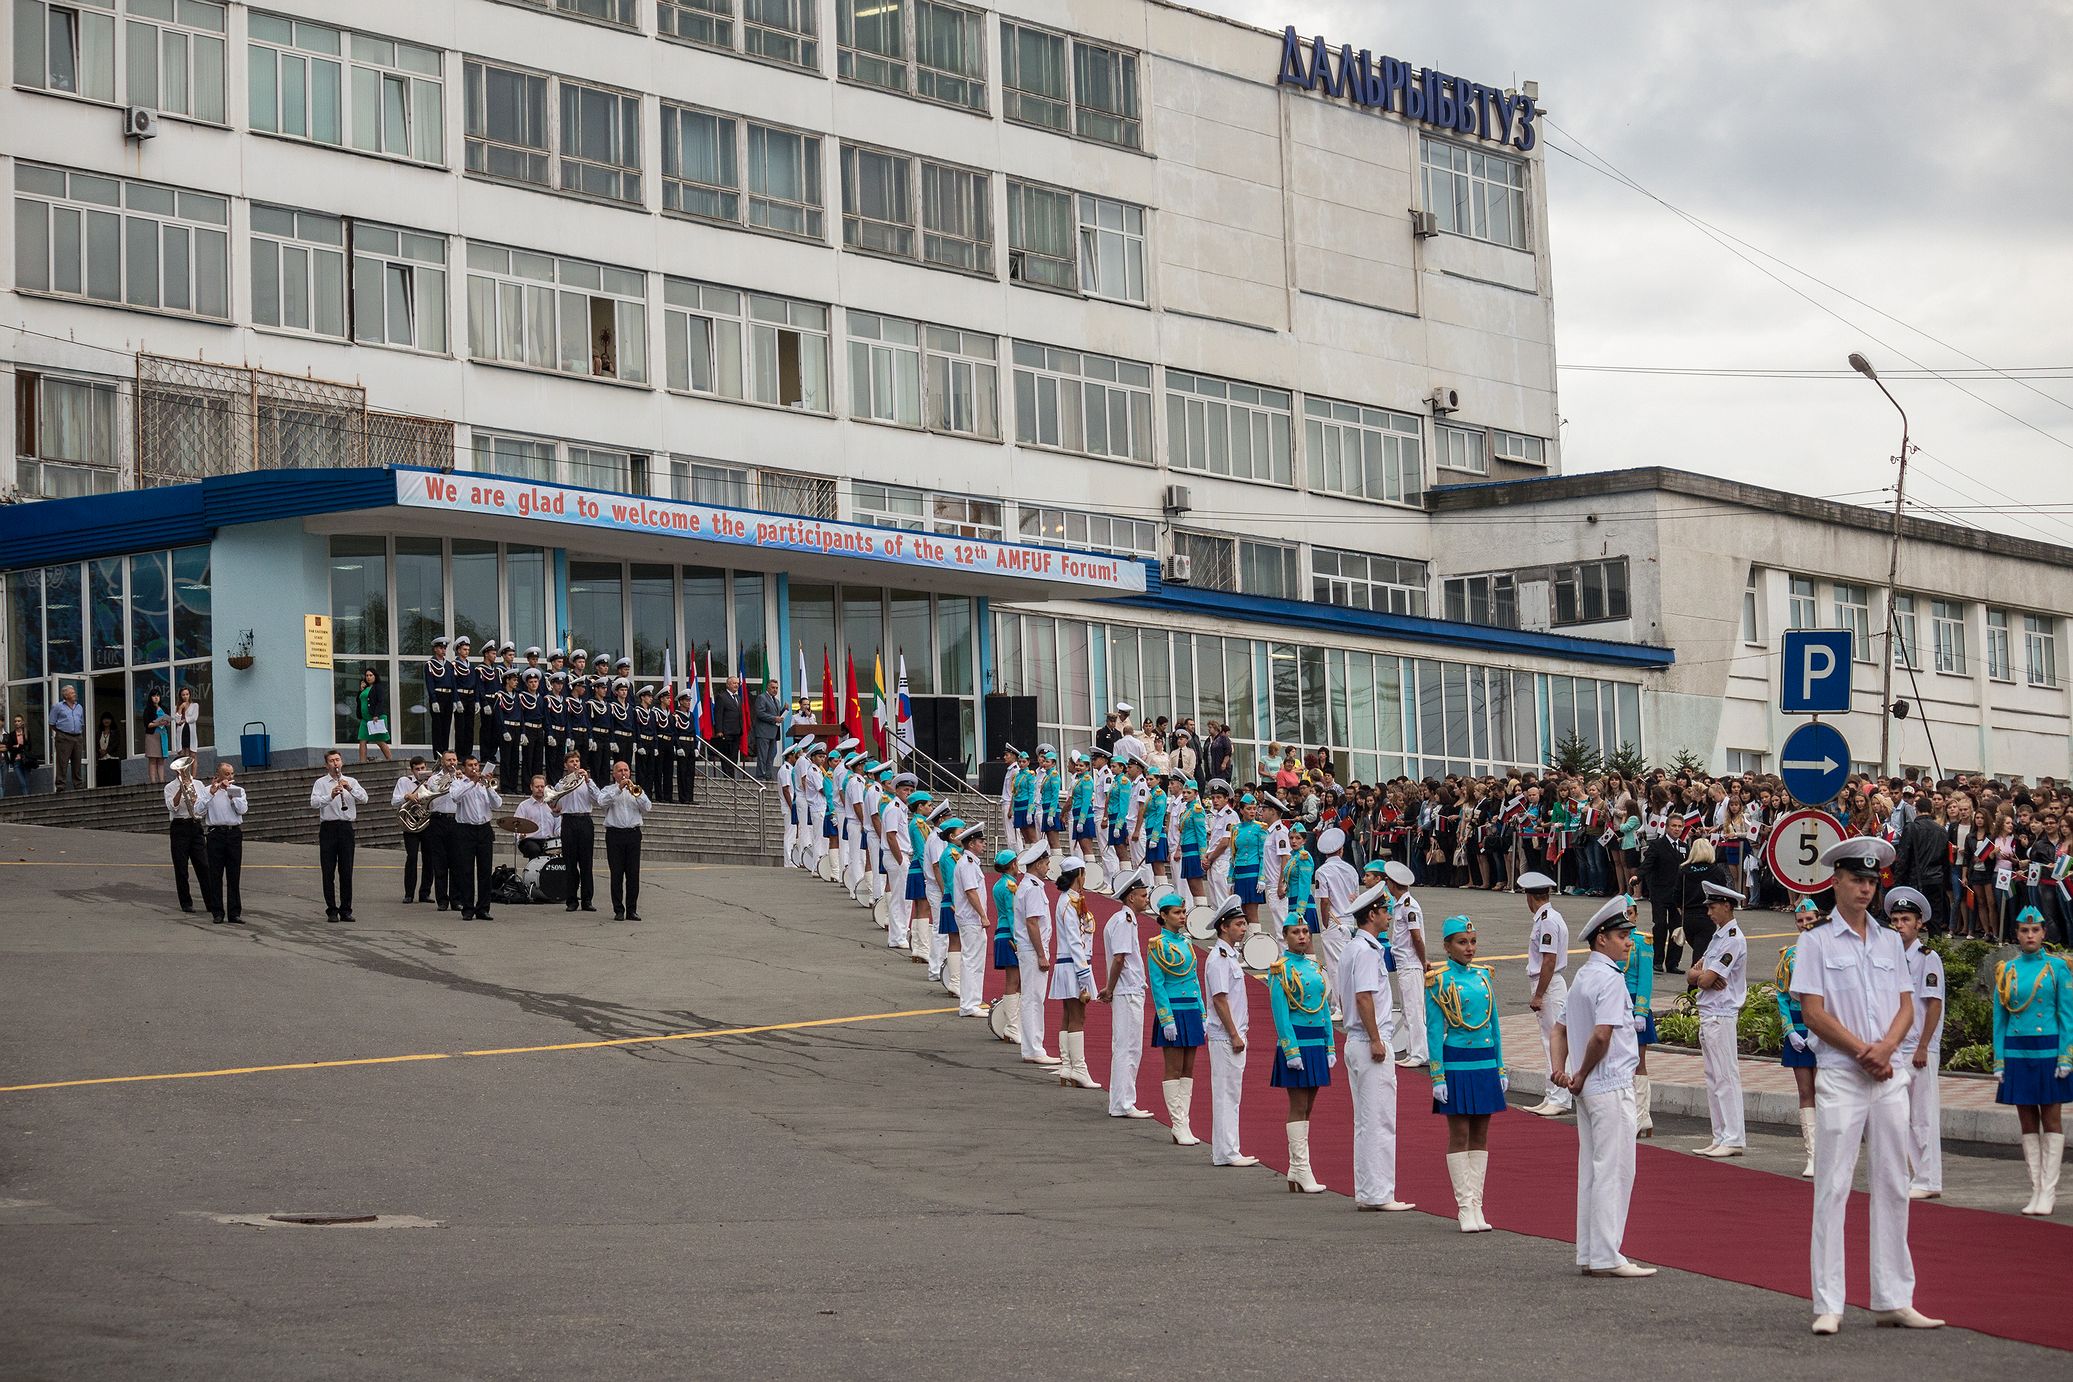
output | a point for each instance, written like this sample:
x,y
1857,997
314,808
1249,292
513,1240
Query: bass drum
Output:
x,y
547,879
1003,1010
828,867
882,912
1260,952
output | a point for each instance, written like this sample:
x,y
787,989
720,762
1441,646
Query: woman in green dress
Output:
x,y
373,705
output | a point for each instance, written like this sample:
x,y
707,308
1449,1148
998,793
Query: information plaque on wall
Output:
x,y
316,640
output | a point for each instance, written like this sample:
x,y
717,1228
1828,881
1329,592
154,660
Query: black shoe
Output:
x,y
424,897
187,906
345,916
446,907
618,916
633,916
237,921
570,908
331,914
588,908
408,899
215,918
483,916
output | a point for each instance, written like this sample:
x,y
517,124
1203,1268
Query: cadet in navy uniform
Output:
x,y
597,730
489,683
460,681
683,738
619,727
1596,1056
647,743
439,695
554,724
508,730
532,728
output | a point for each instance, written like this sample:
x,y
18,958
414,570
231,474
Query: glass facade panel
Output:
x,y
812,619
421,595
597,608
912,640
653,597
525,590
64,628
106,622
474,594
863,636
150,616
705,616
751,647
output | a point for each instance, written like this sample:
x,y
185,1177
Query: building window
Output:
x,y
312,81
619,12
703,154
888,506
1740,761
599,467
2000,665
298,270
1107,257
884,369
1590,593
117,241
399,288
550,313
748,346
1906,652
1096,405
1221,427
2041,649
1267,568
65,48
707,482
1112,249
1853,612
957,515
1490,600
877,201
708,22
1211,562
947,44
171,54
1092,532
1475,193
808,496
511,135
1367,453
1360,580
1041,245
66,443
1947,624
956,218
781,30
1800,612
519,458
1750,627
1517,446
1462,448
1094,96
962,387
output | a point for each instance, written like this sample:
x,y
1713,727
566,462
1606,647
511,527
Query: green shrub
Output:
x,y
1978,1058
1760,1031
1677,1029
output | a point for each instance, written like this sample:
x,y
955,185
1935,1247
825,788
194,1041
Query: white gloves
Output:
x,y
1439,1091
1170,1032
1504,1084
1799,1043
1294,1062
1331,1060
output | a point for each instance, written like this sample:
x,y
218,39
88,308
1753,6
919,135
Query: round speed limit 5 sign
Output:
x,y
1795,846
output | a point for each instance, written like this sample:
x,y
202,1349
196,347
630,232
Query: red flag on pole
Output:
x,y
852,708
829,714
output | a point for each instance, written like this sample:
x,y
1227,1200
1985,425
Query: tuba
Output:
x,y
415,810
563,788
183,768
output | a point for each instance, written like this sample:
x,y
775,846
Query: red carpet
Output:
x,y
1962,1256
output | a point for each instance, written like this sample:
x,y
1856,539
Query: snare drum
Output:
x,y
1093,874
882,912
827,868
997,1019
951,971
1202,924
1260,952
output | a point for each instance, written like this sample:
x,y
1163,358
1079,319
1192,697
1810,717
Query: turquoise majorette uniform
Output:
x,y
1194,838
1175,988
2033,1029
1302,902
1302,1023
1083,806
1155,825
1022,798
1248,848
917,839
831,824
1462,1034
1048,799
1004,916
1789,1013
1641,968
946,871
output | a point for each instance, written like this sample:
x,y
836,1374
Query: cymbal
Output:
x,y
517,825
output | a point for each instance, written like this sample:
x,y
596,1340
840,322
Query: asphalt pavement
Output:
x,y
892,1197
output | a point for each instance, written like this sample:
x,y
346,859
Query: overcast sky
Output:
x,y
1916,154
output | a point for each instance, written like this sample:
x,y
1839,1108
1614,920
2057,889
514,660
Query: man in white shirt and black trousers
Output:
x,y
223,815
337,800
578,834
417,856
475,804
1851,977
184,826
624,804
1596,1054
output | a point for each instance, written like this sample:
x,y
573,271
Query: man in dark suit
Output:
x,y
1662,861
727,726
769,711
1922,861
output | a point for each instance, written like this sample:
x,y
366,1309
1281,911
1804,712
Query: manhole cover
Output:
x,y
323,1219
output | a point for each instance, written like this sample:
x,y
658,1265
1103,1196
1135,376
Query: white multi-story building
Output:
x,y
1079,350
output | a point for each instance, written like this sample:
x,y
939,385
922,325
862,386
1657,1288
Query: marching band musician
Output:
x,y
443,838
1033,957
1019,790
1598,1053
1303,1056
574,810
1176,993
1469,1081
923,935
337,800
1796,1052
1048,794
2033,1052
625,804
566,722
1103,772
1335,882
223,814
1194,840
941,854
1722,979
1407,941
542,813
1298,876
184,831
460,688
439,695
683,748
1547,952
647,743
900,860
1850,977
1216,858
1126,803
1081,807
532,724
855,829
788,801
968,907
475,802
1124,993
1224,1020
810,781
1156,856
1072,971
509,749
489,686
1363,986
1908,911
911,910
1008,863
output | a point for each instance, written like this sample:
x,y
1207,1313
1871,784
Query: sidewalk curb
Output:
x,y
1996,1126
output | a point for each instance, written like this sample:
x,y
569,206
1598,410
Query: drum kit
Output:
x,y
539,867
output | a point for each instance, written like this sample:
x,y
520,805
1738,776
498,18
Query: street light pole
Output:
x,y
1863,367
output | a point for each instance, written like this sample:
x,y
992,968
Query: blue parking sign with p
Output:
x,y
1815,677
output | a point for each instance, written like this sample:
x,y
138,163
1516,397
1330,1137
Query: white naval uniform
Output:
x,y
1223,972
892,827
788,802
807,782
972,933
1549,936
1371,1082
1272,866
1719,1010
874,837
1072,954
1606,1116
1126,1016
1223,822
1136,792
1924,1101
852,832
932,882
1031,918
1008,830
1404,918
1336,882
1861,981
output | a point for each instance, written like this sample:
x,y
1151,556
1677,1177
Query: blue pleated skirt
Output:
x,y
1316,1045
1155,850
1796,1060
1470,1091
946,920
1647,1035
2029,1080
1004,953
917,886
1245,884
1190,860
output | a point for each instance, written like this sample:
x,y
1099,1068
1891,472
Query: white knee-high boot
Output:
x,y
2052,1157
1478,1168
2033,1158
1299,1177
1806,1141
939,947
1177,1112
1458,1174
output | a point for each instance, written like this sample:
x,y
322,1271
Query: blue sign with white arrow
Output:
x,y
1815,763
1814,672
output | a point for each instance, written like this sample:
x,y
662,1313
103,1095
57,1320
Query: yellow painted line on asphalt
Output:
x,y
495,1051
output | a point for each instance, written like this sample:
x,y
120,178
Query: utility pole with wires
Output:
x,y
1863,367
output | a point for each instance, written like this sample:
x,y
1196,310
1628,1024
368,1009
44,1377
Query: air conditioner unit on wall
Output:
x,y
1178,499
1445,400
1424,224
140,122
1177,568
